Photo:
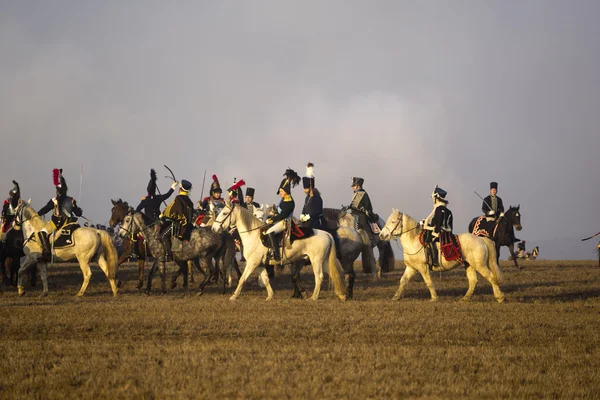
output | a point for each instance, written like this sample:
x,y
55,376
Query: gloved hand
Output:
x,y
435,234
422,222
501,215
269,220
492,213
174,185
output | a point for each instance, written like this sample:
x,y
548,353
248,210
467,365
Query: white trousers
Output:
x,y
278,227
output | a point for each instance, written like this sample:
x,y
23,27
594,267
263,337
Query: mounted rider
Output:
x,y
492,206
9,208
362,207
213,203
150,204
65,212
286,209
251,205
235,192
181,211
312,212
439,220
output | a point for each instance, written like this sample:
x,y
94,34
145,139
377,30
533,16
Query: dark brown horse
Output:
x,y
501,232
118,213
11,251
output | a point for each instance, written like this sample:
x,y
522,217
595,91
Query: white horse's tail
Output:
x,y
333,269
492,263
109,252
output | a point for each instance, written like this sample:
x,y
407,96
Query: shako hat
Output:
x,y
439,193
250,192
308,181
186,186
493,185
356,181
152,183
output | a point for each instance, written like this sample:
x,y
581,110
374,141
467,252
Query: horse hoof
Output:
x,y
200,293
20,290
268,299
501,300
433,300
119,283
140,286
79,295
465,300
232,298
44,294
396,298
173,285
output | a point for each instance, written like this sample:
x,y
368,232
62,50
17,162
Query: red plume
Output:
x,y
56,176
238,185
215,179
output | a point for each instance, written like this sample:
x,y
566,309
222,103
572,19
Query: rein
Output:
x,y
229,216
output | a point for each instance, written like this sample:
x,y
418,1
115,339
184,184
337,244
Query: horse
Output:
x,y
203,244
502,232
386,253
319,248
118,212
479,254
88,243
11,252
351,245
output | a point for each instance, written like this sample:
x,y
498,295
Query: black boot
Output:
x,y
45,243
275,246
434,255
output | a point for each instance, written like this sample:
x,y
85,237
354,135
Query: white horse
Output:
x,y
478,252
88,243
319,248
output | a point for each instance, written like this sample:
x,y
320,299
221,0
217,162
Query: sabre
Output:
x,y
80,184
486,203
202,190
591,237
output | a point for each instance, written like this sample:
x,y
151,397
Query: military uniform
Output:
x,y
440,219
65,211
492,206
285,208
211,204
252,206
181,211
312,212
235,192
9,208
150,204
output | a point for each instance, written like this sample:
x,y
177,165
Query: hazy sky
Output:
x,y
406,94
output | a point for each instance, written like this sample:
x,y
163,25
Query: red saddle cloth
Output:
x,y
450,246
300,232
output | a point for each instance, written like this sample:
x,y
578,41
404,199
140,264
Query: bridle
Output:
x,y
402,232
19,221
230,207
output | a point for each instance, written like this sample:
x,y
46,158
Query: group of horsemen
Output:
x,y
181,216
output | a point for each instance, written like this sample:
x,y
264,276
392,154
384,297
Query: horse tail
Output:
x,y
368,258
492,262
333,269
110,253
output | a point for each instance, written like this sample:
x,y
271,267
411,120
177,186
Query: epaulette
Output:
x,y
143,198
207,198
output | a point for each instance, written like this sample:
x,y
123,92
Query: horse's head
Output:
x,y
225,219
118,212
259,213
128,226
514,217
393,226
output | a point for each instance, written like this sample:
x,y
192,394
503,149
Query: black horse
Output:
x,y
501,231
11,251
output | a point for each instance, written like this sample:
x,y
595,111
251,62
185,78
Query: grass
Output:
x,y
543,342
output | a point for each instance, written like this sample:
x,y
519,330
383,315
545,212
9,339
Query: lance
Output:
x,y
591,237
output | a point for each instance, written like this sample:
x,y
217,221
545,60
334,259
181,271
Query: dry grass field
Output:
x,y
544,342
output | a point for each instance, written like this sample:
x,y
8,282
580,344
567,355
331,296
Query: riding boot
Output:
x,y
45,243
275,246
434,255
270,271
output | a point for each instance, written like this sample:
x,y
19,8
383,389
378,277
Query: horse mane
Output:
x,y
249,219
29,214
409,223
332,213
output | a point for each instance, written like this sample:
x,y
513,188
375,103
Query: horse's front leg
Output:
x,y
151,275
29,262
472,278
250,267
511,248
162,269
409,272
299,291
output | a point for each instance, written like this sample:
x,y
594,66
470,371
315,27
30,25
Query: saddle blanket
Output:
x,y
64,236
484,228
450,247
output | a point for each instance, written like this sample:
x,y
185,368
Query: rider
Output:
x,y
492,206
235,192
440,219
9,207
213,204
285,208
362,203
65,211
251,205
181,210
150,204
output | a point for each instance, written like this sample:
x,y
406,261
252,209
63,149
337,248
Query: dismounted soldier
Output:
x,y
65,211
440,219
213,203
251,205
285,208
235,192
492,206
150,204
9,208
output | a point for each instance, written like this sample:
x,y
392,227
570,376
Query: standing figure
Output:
x,y
150,204
440,219
65,211
286,209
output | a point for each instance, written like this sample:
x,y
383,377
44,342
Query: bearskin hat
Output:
x,y
152,183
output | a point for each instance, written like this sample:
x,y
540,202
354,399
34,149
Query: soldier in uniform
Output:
x,y
492,206
235,192
362,203
65,211
251,205
285,208
150,204
440,219
181,212
9,208
213,203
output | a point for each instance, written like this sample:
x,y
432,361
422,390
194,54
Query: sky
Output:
x,y
406,94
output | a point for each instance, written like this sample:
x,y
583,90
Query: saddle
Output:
x,y
63,237
484,227
450,247
286,238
